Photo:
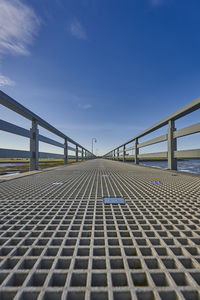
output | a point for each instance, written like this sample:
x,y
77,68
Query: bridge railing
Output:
x,y
172,155
35,137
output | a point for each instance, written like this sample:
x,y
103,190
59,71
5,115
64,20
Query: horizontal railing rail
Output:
x,y
171,137
35,137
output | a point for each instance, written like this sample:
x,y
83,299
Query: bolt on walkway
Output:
x,y
60,241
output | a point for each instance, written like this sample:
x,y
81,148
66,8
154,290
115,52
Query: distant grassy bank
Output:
x,y
14,165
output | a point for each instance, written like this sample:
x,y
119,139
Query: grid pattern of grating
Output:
x,y
60,241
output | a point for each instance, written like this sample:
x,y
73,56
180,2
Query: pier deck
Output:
x,y
60,241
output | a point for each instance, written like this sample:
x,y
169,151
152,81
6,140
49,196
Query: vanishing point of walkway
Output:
x,y
60,241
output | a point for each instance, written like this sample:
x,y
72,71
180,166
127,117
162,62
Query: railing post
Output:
x,y
136,152
82,154
172,146
117,153
34,146
124,153
114,154
76,153
66,152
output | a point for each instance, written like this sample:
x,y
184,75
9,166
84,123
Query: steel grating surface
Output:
x,y
60,241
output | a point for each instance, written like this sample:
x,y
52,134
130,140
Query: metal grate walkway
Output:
x,y
60,241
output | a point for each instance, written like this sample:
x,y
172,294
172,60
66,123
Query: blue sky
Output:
x,y
106,69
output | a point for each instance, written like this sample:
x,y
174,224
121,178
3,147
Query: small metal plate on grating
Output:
x,y
156,182
105,175
114,201
57,183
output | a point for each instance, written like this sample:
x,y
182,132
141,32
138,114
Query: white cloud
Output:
x,y
84,106
5,81
18,25
77,30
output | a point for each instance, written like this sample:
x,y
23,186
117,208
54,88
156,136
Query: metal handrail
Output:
x,y
172,154
35,137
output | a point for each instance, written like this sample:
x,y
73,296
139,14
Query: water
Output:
x,y
7,169
9,174
5,165
186,165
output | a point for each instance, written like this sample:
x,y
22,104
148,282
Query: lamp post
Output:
x,y
93,140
